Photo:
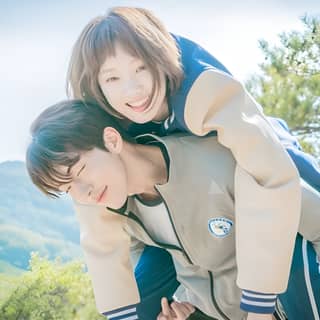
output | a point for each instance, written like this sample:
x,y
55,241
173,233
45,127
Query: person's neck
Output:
x,y
146,168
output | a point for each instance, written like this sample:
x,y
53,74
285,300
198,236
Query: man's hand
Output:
x,y
258,316
175,311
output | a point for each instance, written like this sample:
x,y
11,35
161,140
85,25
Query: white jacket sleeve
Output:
x,y
106,249
309,226
267,190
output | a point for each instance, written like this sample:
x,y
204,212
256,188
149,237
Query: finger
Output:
x,y
180,310
161,316
190,307
165,307
185,308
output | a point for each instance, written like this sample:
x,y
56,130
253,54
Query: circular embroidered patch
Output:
x,y
220,227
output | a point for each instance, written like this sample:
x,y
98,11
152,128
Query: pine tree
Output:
x,y
289,83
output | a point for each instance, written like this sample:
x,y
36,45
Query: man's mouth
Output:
x,y
102,194
139,106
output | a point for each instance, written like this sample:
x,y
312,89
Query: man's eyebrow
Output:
x,y
81,170
70,167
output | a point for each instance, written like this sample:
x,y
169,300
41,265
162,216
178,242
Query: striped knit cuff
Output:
x,y
256,302
125,313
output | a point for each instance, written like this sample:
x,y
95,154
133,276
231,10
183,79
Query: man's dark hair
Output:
x,y
59,135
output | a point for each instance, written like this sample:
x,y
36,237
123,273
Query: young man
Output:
x,y
162,192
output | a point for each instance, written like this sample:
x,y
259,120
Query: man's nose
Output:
x,y
82,191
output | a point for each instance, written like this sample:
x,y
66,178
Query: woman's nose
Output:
x,y
133,88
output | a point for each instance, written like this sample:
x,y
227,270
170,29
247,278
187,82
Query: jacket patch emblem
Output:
x,y
219,227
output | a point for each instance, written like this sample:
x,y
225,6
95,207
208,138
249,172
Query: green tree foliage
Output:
x,y
289,83
51,291
7,284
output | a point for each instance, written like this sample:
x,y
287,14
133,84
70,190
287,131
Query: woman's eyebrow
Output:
x,y
106,71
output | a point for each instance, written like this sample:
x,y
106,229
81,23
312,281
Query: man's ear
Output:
x,y
112,140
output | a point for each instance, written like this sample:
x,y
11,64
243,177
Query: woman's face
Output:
x,y
127,84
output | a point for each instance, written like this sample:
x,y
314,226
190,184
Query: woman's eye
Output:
x,y
112,79
141,68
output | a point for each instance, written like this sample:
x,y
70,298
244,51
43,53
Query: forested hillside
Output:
x,y
29,221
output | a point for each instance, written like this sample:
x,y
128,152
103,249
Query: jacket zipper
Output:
x,y
188,258
135,218
213,298
174,229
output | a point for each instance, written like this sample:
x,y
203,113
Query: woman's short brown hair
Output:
x,y
139,32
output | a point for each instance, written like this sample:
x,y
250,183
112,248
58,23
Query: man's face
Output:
x,y
98,178
127,85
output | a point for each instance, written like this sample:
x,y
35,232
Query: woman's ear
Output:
x,y
112,140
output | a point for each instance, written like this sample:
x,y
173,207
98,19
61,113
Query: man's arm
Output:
x,y
255,316
131,312
186,311
106,248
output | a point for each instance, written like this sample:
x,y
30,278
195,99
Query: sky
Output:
x,y
36,39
